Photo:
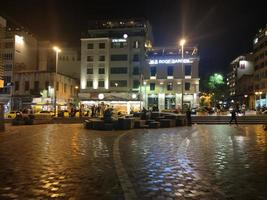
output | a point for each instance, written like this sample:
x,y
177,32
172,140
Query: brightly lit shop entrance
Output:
x,y
170,102
152,101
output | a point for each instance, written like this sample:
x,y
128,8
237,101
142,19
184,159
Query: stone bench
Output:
x,y
167,123
139,123
154,124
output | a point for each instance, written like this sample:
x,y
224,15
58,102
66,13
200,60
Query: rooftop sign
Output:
x,y
119,40
168,61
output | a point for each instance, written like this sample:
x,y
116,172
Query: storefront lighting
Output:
x,y
101,96
134,96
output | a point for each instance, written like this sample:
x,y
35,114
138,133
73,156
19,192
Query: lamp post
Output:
x,y
57,50
77,90
182,43
145,93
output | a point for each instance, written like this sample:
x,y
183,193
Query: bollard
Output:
x,y
2,121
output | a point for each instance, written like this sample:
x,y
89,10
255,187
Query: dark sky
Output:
x,y
222,29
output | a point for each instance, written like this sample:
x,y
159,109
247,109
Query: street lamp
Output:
x,y
57,50
144,83
182,43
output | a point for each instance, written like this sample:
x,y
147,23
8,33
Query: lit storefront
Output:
x,y
120,102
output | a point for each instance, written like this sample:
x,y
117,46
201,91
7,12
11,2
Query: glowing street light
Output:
x,y
57,50
182,43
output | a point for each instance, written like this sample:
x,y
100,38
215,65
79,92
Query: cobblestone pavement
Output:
x,y
68,162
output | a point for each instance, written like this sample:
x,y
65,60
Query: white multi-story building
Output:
x,y
260,73
169,77
19,52
112,59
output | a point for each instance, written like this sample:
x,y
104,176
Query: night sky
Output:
x,y
222,29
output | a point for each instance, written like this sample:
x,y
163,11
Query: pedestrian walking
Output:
x,y
233,117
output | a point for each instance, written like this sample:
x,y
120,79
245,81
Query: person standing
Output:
x,y
188,117
233,117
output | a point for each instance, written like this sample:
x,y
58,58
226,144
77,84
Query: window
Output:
x,y
136,58
90,71
119,57
90,58
152,86
8,67
169,86
36,85
89,84
57,87
101,83
101,70
90,46
116,45
101,58
46,85
118,70
136,44
27,86
153,71
16,85
65,88
187,70
101,45
187,86
136,71
118,83
7,56
170,71
136,84
9,45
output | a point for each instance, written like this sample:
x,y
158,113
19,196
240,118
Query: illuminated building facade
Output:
x,y
260,74
240,79
168,75
112,60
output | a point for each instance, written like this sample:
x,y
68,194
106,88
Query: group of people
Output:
x,y
98,110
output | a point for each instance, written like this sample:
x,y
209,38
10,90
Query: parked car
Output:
x,y
10,115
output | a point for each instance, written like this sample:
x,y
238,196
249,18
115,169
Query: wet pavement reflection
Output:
x,y
199,162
